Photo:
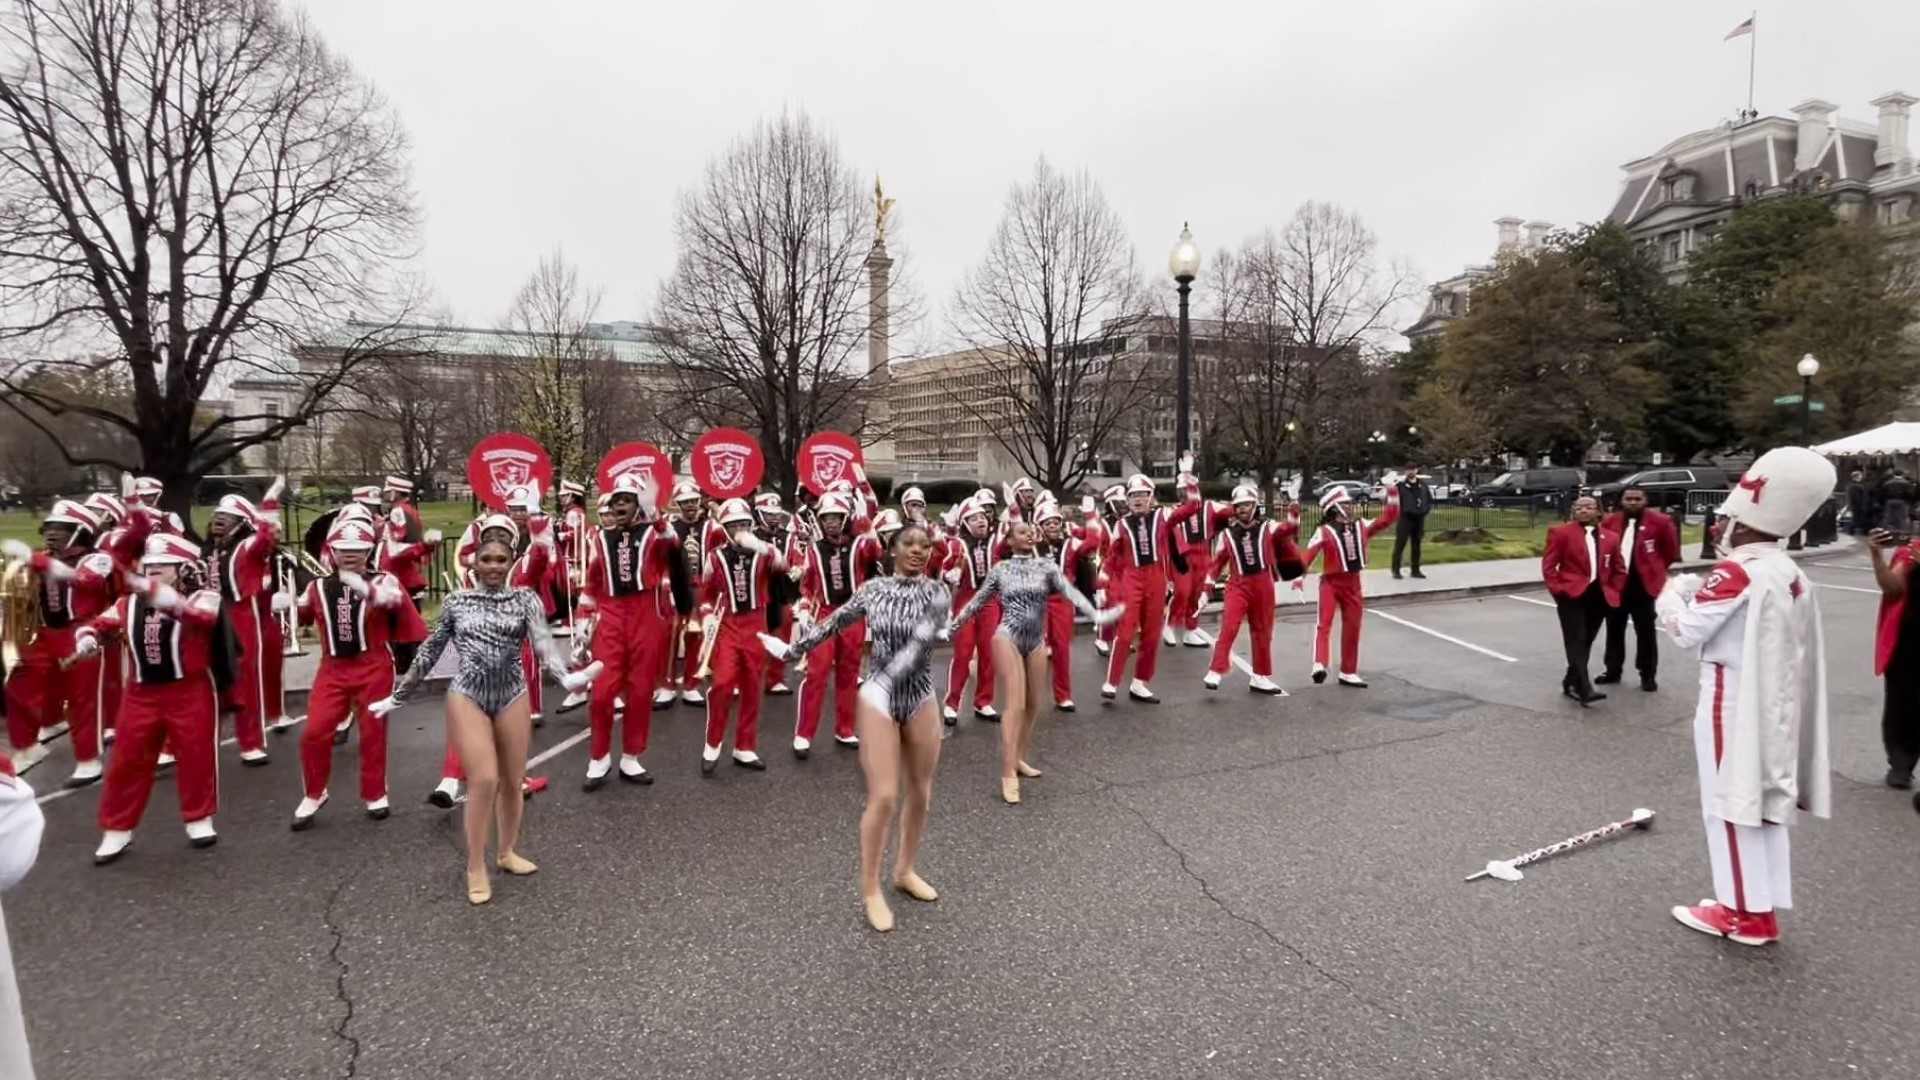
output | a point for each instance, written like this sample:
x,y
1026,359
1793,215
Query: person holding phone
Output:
x,y
1896,654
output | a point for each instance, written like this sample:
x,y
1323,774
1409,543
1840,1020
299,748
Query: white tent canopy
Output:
x,y
1901,437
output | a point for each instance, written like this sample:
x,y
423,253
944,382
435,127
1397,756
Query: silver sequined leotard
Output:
x,y
904,617
1023,583
487,629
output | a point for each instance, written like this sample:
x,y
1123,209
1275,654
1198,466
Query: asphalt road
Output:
x,y
1217,886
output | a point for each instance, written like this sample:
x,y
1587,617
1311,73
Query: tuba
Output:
x,y
20,606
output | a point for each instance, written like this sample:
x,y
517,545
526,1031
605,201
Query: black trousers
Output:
x,y
1636,604
1900,709
1411,527
1580,622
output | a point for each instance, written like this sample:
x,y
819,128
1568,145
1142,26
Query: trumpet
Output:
x,y
709,635
21,615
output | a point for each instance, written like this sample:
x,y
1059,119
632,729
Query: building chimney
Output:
x,y
1816,118
1537,234
1891,148
1509,233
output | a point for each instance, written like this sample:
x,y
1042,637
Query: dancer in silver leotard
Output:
x,y
486,628
1023,583
904,616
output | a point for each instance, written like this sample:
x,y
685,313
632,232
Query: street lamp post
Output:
x,y
1184,262
1808,367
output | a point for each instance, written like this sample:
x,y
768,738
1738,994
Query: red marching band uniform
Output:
x,y
1253,552
734,593
170,700
834,569
240,570
1193,539
359,620
971,552
698,538
1341,545
1076,555
1136,558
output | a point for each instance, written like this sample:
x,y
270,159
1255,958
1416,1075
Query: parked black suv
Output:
x,y
1666,487
1528,487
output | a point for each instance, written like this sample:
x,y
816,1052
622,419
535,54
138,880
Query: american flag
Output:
x,y
1743,28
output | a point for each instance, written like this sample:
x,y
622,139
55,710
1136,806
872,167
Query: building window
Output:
x,y
1668,188
1674,249
273,408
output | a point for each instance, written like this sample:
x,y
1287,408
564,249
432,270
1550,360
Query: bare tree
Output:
x,y
1302,309
766,310
1048,308
189,189
558,360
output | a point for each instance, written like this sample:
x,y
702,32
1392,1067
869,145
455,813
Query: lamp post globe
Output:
x,y
1184,263
1809,366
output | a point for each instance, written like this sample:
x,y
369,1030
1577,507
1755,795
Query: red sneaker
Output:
x,y
1755,928
1709,917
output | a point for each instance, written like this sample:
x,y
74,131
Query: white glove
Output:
x,y
1684,585
382,707
430,537
776,648
1107,616
579,680
275,490
1186,462
952,576
127,488
166,598
281,602
16,550
796,573
746,540
386,594
945,633
397,518
85,643
355,582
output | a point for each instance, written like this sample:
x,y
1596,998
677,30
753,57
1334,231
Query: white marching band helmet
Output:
x,y
1246,493
833,502
350,536
735,511
1139,484
1334,497
1780,491
166,549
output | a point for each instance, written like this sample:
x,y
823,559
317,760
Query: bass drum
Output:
x,y
316,539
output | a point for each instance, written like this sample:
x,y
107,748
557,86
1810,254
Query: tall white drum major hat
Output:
x,y
1780,491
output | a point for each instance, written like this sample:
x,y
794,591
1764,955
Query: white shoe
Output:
x,y
631,768
48,734
112,843
1065,706
572,701
379,808
164,761
251,756
536,717
1199,639
710,753
1108,690
660,697
1141,691
303,814
84,773
780,688
281,723
599,767
1102,647
1211,681
28,758
1352,680
1168,637
693,697
949,714
1263,685
800,745
851,740
1319,673
200,833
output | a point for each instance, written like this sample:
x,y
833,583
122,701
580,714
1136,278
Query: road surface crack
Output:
x,y
1206,890
340,978
1104,784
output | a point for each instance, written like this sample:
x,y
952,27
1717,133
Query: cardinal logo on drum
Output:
x,y
727,463
640,468
830,464
508,468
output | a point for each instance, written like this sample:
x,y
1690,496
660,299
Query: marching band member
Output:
x,y
167,624
39,691
359,613
240,570
773,525
487,715
570,536
913,511
1192,549
1075,557
899,738
698,538
1136,565
630,600
1341,545
1099,529
837,564
1255,552
886,525
1022,584
735,590
971,554
1760,728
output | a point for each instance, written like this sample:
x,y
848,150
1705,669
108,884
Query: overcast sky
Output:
x,y
572,123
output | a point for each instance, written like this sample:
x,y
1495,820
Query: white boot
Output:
x,y
200,833
693,697
445,793
1319,673
48,734
1108,690
281,723
1352,680
1211,681
379,808
303,814
1198,639
801,746
112,843
599,767
1167,635
1140,691
1263,685
1102,647
84,773
27,758
253,757
632,771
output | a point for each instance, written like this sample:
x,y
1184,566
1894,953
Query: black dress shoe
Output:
x,y
203,842
593,783
1590,697
1066,707
707,767
643,779
1648,684
1900,779
1607,679
802,755
439,798
380,814
1419,575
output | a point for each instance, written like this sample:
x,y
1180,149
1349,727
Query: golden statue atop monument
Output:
x,y
882,206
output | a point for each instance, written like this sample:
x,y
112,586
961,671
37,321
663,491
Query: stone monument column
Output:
x,y
879,385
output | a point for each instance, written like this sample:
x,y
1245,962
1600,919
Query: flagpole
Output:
x,y
1753,46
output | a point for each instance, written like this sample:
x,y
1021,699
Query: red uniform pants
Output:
x,y
339,688
93,686
739,665
256,690
1339,591
690,637
837,660
39,694
181,716
1144,592
634,641
1060,643
973,640
1187,590
1250,598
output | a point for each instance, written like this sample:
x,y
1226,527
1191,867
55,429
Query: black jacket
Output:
x,y
1416,499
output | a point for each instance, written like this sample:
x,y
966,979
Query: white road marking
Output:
x,y
558,748
1444,637
1847,588
1531,600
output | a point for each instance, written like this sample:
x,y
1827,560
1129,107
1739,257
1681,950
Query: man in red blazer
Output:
x,y
1584,573
1649,546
